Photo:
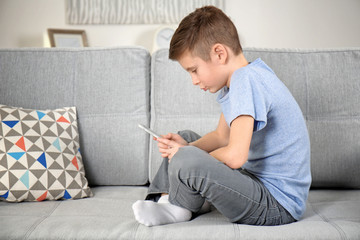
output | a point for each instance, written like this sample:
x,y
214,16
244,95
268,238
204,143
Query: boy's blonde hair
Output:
x,y
200,30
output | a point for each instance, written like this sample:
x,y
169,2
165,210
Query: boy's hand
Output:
x,y
169,144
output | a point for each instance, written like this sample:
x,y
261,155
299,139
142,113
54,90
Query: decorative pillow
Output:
x,y
40,155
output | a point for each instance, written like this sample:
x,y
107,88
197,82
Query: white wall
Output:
x,y
297,23
261,23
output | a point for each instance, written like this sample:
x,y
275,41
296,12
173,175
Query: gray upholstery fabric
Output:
x,y
107,215
331,214
109,87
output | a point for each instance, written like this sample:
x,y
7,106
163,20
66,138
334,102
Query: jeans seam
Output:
x,y
173,194
269,218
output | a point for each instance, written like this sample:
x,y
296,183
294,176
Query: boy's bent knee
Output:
x,y
189,135
187,155
189,158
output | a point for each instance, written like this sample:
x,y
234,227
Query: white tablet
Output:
x,y
148,130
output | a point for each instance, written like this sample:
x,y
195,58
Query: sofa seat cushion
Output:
x,y
107,215
331,214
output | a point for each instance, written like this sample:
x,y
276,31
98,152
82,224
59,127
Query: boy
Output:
x,y
255,167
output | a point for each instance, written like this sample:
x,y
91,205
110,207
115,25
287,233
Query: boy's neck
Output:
x,y
236,62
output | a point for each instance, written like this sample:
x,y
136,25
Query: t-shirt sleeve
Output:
x,y
248,96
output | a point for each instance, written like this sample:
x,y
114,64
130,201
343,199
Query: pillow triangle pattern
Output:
x,y
11,124
40,155
40,114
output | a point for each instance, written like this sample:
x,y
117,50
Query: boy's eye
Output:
x,y
194,71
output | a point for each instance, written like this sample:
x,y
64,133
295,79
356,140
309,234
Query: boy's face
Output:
x,y
208,75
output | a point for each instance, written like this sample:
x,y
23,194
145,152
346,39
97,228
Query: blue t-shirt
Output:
x,y
280,148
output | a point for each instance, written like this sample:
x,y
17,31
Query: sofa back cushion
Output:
x,y
325,84
109,87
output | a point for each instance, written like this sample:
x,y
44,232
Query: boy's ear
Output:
x,y
219,53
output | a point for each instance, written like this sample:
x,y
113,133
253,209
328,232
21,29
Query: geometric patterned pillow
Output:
x,y
40,155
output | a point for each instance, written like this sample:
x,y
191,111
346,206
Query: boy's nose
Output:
x,y
195,81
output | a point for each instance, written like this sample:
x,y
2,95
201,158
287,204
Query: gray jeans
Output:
x,y
194,176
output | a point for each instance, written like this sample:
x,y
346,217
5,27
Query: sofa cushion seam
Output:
x,y
136,231
37,223
335,226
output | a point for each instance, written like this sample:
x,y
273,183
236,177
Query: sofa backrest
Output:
x,y
109,87
325,83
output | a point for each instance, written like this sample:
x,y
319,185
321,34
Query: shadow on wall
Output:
x,y
146,39
30,40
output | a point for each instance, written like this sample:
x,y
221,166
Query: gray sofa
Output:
x,y
114,89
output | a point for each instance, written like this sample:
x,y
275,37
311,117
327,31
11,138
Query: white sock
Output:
x,y
162,212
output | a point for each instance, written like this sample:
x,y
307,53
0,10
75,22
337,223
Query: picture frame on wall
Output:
x,y
67,38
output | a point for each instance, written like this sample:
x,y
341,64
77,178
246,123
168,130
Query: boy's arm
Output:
x,y
236,152
170,143
215,139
